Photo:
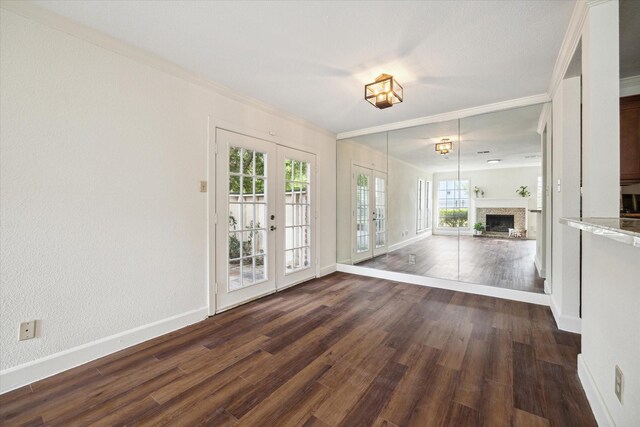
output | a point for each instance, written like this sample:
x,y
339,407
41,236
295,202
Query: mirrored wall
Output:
x,y
459,200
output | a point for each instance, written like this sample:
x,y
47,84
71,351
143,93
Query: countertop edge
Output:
x,y
592,225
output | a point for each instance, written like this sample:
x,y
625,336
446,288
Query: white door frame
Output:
x,y
214,123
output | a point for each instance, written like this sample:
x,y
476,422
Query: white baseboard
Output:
x,y
454,285
452,232
29,372
327,270
566,323
600,411
409,241
538,264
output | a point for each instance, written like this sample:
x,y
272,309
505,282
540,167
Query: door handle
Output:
x,y
272,228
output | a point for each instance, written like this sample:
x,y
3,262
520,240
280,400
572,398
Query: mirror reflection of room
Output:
x,y
501,162
459,200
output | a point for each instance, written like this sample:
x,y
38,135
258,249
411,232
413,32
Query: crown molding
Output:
x,y
569,44
453,115
628,82
43,16
591,3
545,117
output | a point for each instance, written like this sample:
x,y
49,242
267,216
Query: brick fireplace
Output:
x,y
519,217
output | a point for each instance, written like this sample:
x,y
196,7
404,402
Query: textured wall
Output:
x,y
103,225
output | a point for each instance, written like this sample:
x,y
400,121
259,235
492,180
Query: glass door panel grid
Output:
x,y
381,217
297,215
247,240
362,212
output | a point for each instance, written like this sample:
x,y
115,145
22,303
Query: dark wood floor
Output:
x,y
505,263
342,350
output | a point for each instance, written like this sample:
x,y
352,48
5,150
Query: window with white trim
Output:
x,y
453,203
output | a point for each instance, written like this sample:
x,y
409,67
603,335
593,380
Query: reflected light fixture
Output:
x,y
444,147
384,92
494,161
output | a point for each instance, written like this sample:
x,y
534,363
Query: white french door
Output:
x,y
296,255
265,218
380,213
369,224
245,204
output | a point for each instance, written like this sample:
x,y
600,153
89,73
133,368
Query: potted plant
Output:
x,y
477,190
523,192
479,228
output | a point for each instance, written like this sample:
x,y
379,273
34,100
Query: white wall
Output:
x,y
403,200
499,183
103,225
610,319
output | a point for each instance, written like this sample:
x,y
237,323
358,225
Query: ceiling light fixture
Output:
x,y
494,161
444,146
384,92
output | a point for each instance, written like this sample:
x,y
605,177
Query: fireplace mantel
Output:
x,y
516,202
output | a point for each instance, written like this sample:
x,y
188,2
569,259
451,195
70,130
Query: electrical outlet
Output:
x,y
412,258
203,186
27,330
619,383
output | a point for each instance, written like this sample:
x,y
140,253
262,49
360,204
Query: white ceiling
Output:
x,y
509,135
312,58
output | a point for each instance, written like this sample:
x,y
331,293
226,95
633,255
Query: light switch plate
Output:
x,y
619,383
27,330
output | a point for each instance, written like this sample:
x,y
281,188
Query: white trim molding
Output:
x,y
453,285
324,271
423,234
452,115
569,44
98,38
544,119
29,372
600,411
630,86
565,323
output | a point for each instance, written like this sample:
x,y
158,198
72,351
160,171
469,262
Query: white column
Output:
x,y
565,188
601,111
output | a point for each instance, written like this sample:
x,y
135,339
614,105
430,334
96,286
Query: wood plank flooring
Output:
x,y
338,351
505,263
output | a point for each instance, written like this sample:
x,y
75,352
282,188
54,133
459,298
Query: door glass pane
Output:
x,y
247,162
235,282
261,275
247,242
234,159
235,216
381,220
297,215
362,212
259,164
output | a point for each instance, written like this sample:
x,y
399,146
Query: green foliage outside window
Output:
x,y
454,217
